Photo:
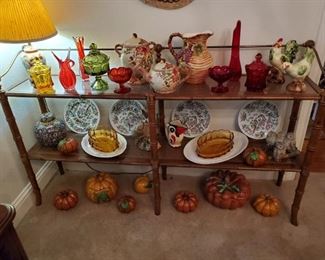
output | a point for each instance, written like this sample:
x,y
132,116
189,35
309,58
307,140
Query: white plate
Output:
x,y
93,152
194,115
240,144
256,119
80,115
126,116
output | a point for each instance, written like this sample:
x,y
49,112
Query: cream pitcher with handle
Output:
x,y
194,53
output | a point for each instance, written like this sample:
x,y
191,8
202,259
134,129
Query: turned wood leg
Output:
x,y
311,148
154,150
280,178
164,172
20,146
298,196
156,184
60,166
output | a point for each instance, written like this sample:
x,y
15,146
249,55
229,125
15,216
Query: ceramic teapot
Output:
x,y
165,77
136,51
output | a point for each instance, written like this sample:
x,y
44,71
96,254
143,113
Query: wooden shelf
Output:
x,y
131,156
174,157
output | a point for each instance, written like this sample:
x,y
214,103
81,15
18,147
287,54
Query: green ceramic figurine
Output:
x,y
96,64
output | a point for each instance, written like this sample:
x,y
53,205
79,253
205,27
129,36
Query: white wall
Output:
x,y
108,22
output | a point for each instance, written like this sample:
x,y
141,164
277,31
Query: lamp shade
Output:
x,y
24,21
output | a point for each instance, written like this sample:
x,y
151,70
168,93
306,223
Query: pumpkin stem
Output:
x,y
149,185
102,197
254,155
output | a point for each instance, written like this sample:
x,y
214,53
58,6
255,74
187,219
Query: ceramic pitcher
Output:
x,y
194,53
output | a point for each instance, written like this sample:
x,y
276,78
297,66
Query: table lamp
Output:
x,y
24,21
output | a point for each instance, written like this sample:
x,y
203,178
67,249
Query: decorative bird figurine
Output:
x,y
175,133
280,53
299,70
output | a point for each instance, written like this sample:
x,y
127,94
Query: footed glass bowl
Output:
x,y
120,75
221,74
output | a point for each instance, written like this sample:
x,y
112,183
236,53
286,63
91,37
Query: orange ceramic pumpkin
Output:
x,y
142,184
267,205
101,188
66,199
185,201
68,145
126,204
255,156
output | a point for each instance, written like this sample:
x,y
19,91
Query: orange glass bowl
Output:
x,y
120,75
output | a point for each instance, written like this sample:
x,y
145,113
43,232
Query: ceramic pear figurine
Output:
x,y
175,133
165,77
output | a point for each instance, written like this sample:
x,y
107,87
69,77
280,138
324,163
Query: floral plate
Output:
x,y
93,152
240,144
194,115
257,118
126,116
81,114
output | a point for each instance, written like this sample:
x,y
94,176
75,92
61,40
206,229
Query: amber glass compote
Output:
x,y
120,75
220,74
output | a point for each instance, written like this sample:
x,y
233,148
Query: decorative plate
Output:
x,y
257,118
93,152
194,115
81,114
126,115
240,144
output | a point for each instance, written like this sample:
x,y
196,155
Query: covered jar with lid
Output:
x,y
257,72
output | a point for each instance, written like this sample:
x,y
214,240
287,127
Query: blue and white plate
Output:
x,y
256,119
194,115
126,116
80,115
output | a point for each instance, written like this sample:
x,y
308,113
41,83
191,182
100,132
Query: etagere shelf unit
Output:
x,y
161,159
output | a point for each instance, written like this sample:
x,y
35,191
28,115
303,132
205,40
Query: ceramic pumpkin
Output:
x,y
126,204
227,190
267,205
66,199
142,184
255,156
185,201
101,188
68,145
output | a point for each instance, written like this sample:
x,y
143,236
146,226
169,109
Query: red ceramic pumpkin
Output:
x,y
185,201
227,190
255,156
126,204
68,145
66,199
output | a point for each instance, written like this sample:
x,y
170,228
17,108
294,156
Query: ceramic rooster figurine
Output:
x,y
299,70
280,53
175,133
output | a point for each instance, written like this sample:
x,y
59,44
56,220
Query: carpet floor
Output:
x,y
99,231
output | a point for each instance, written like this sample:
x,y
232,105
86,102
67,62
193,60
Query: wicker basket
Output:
x,y
168,4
